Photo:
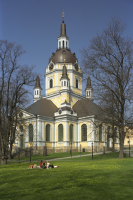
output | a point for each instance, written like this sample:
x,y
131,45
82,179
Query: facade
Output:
x,y
63,117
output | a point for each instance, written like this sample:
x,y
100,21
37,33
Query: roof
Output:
x,y
43,107
86,107
61,54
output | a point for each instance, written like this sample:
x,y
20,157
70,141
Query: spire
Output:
x,y
88,89
64,72
88,85
37,89
37,85
63,27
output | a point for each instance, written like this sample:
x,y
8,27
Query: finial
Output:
x,y
63,16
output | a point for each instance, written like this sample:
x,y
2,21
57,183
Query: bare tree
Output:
x,y
109,60
14,82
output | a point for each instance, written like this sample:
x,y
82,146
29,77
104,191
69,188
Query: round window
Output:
x,y
20,114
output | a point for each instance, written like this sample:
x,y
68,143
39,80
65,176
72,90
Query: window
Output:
x,y
60,133
59,44
37,92
48,132
63,43
66,44
51,83
89,93
40,92
21,128
21,141
64,83
71,132
30,133
76,83
100,133
67,83
84,132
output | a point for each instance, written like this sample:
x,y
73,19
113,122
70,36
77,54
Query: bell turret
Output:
x,y
37,89
88,89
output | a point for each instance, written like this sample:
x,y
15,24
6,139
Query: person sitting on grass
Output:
x,y
44,165
41,164
30,167
34,167
51,166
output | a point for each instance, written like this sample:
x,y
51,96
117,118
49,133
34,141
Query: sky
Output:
x,y
35,24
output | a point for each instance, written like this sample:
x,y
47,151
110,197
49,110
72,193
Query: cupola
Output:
x,y
63,40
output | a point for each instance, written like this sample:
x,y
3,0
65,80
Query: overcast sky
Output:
x,y
35,24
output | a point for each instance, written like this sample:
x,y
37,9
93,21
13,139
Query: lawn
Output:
x,y
50,156
104,177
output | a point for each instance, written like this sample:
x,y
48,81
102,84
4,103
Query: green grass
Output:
x,y
50,156
104,177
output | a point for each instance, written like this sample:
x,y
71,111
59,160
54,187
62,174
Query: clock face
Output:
x,y
51,66
76,67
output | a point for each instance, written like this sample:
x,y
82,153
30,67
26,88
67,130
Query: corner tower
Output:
x,y
56,90
37,89
88,89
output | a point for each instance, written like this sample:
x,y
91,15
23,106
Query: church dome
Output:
x,y
61,54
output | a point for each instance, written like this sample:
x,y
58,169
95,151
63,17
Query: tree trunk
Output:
x,y
121,149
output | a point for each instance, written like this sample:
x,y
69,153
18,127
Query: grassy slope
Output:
x,y
51,156
76,178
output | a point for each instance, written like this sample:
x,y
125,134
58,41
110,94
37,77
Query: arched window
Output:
x,y
40,92
100,133
21,141
59,44
48,132
60,133
115,135
30,133
66,44
51,83
84,132
63,43
37,92
67,83
76,83
89,93
71,132
64,83
21,128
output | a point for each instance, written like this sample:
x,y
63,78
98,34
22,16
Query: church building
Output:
x,y
64,117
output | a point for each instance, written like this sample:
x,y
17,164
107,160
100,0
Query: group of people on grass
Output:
x,y
43,165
